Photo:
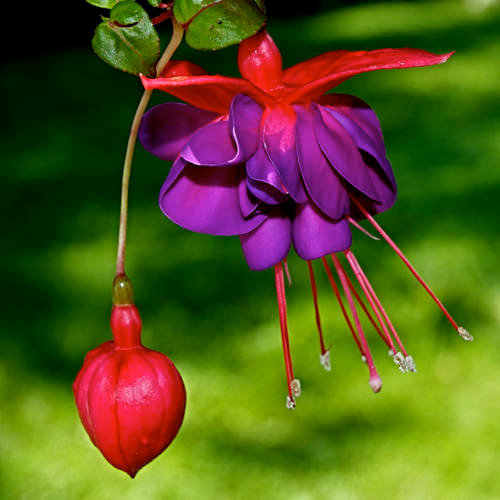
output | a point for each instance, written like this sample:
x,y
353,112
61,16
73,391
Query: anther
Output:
x,y
465,334
290,403
410,364
325,361
363,359
400,362
295,387
391,352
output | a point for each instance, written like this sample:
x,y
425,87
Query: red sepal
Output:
x,y
259,61
322,73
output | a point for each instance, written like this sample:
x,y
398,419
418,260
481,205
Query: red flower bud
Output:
x,y
131,400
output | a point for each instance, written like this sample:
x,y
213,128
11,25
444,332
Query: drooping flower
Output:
x,y
130,399
273,159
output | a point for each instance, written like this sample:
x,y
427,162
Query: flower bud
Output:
x,y
131,400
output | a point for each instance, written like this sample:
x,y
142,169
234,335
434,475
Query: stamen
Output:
x,y
410,364
399,361
361,228
465,334
324,351
280,293
335,288
379,305
409,265
296,387
325,360
375,381
386,337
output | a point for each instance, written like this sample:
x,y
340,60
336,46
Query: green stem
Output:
x,y
174,43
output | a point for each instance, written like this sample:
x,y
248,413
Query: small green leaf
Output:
x,y
128,40
105,4
185,10
155,3
224,23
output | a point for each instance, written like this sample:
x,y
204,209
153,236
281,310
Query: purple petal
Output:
x,y
167,127
342,152
227,142
244,121
269,243
248,202
321,181
174,172
211,146
314,235
206,200
259,168
366,135
279,143
266,193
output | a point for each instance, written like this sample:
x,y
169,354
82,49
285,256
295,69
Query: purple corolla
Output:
x,y
272,159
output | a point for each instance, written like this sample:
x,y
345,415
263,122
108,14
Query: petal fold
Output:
x,y
342,152
269,243
206,200
362,124
314,235
166,128
280,146
321,181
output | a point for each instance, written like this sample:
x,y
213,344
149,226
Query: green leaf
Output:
x,y
128,40
185,10
224,23
155,3
105,4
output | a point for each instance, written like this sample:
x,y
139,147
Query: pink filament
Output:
x,y
366,349
355,264
407,262
287,272
316,306
341,304
385,335
361,228
280,293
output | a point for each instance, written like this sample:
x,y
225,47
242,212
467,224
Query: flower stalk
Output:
x,y
172,46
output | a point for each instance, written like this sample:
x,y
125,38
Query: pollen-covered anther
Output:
x,y
400,362
290,403
391,352
296,387
410,364
325,360
465,334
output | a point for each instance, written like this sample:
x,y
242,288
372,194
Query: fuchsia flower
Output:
x,y
131,400
269,157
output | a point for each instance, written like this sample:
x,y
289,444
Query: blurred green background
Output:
x,y
433,435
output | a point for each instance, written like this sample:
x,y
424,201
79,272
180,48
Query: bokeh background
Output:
x,y
432,435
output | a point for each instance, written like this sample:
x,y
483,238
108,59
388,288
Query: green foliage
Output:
x,y
127,40
215,25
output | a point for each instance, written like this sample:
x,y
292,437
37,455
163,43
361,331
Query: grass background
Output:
x,y
433,435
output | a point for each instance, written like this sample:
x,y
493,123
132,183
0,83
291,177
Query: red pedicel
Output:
x,y
131,399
